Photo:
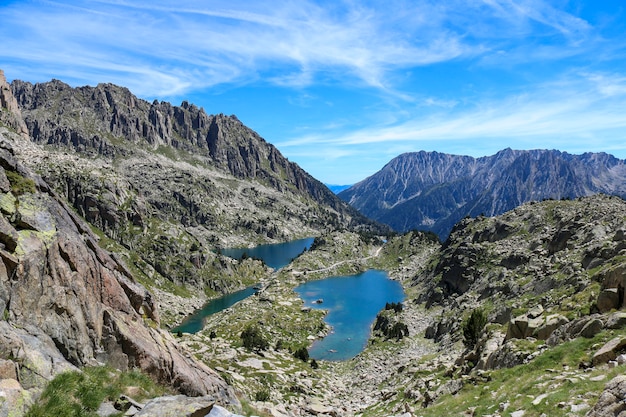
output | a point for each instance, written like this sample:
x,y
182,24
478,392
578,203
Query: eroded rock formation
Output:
x,y
66,303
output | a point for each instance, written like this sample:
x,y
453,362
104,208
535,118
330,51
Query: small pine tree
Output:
x,y
398,331
302,354
473,328
253,339
263,395
279,345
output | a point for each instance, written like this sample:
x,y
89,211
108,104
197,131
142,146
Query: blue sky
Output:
x,y
341,87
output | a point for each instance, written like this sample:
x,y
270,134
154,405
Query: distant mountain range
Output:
x,y
433,191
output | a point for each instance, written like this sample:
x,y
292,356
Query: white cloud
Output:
x,y
570,110
291,43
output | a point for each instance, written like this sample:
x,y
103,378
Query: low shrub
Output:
x,y
253,339
473,328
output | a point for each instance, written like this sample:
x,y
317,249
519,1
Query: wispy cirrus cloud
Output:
x,y
174,48
566,112
370,78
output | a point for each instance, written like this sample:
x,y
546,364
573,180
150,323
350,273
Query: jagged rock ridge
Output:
x,y
100,119
432,191
171,184
66,302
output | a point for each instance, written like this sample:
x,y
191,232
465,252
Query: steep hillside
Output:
x,y
549,280
169,185
67,303
432,191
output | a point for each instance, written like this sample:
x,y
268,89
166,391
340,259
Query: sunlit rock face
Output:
x,y
65,301
433,191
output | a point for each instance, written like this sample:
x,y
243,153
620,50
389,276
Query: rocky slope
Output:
x,y
549,278
433,191
170,184
68,303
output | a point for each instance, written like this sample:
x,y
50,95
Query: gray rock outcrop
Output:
x,y
178,406
612,401
609,351
66,303
10,114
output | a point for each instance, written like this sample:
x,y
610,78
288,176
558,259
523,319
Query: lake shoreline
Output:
x,y
352,303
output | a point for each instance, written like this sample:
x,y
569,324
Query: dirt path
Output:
x,y
336,264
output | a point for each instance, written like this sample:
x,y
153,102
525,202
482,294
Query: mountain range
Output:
x,y
433,191
112,210
170,184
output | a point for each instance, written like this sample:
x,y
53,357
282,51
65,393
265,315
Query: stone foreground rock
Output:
x,y
67,303
612,401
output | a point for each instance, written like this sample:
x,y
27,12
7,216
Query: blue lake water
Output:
x,y
352,302
195,322
274,255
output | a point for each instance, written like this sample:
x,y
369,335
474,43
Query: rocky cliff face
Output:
x,y
558,262
432,191
171,184
107,120
66,302
10,114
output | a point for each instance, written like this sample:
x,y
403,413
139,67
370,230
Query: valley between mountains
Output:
x,y
113,211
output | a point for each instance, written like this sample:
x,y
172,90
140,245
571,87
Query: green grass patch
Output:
x,y
19,184
79,394
554,374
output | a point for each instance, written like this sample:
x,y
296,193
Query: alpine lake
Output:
x,y
352,301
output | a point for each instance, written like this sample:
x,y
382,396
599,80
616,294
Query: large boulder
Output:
x,y
551,323
178,406
612,401
609,351
14,399
616,320
608,300
525,325
587,326
613,288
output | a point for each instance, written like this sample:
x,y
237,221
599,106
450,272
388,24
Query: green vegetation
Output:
x,y
541,376
397,307
263,395
302,354
473,328
253,339
79,394
19,184
398,331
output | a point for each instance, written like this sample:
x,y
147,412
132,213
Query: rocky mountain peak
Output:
x,y
109,121
9,110
433,191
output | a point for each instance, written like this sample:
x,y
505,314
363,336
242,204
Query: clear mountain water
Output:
x,y
274,255
195,322
352,303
